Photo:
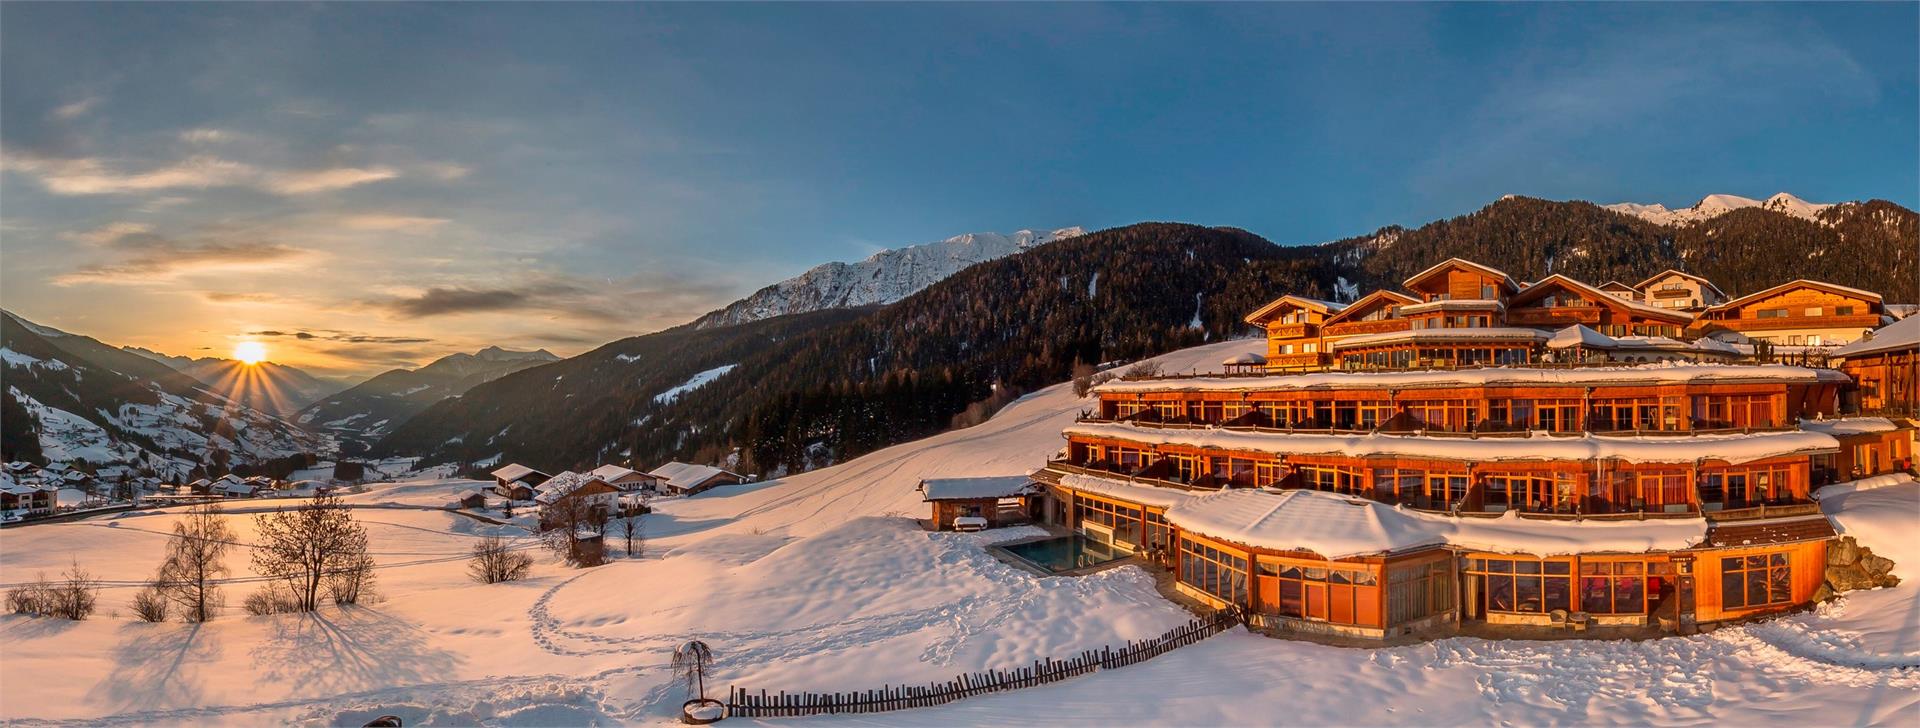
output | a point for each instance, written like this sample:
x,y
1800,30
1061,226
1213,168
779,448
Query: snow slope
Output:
x,y
820,581
887,276
1713,206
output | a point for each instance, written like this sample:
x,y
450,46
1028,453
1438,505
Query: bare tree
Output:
x,y
495,561
74,597
691,661
1142,370
352,581
635,533
196,557
307,545
573,529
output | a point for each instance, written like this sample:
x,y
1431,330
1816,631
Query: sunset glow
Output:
x,y
251,352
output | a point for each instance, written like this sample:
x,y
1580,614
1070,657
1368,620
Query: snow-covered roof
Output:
x,y
687,475
1581,336
1485,333
1902,334
1145,495
1711,344
1640,374
996,486
1850,425
8,486
1364,302
1338,527
612,473
1453,304
1732,448
1250,357
513,472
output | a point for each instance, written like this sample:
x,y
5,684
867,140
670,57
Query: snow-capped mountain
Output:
x,y
1713,206
369,410
887,276
72,399
269,387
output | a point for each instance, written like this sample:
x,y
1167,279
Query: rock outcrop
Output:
x,y
1851,566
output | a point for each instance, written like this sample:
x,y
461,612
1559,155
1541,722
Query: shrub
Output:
x,y
35,598
493,562
274,598
149,605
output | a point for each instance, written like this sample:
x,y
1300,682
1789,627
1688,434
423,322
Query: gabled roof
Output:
x,y
559,486
1618,286
687,475
1505,279
1312,304
1790,285
1581,336
612,473
1602,297
1367,301
515,471
1641,286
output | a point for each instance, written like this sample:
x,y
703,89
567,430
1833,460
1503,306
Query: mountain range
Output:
x,y
1713,206
885,277
266,386
363,413
73,399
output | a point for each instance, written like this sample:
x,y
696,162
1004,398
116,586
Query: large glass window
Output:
x,y
1755,581
1213,571
1613,587
1123,520
1523,585
1343,595
1418,590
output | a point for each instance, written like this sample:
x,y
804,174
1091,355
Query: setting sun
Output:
x,y
251,352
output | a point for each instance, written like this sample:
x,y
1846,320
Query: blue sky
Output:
x,y
402,181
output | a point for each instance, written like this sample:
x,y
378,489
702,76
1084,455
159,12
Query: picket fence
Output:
x,y
742,702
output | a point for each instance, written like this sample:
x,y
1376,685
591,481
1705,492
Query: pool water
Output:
x,y
1066,553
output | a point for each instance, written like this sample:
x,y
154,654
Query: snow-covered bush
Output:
x,y
74,597
149,605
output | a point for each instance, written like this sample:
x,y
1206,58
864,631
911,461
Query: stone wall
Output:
x,y
1851,566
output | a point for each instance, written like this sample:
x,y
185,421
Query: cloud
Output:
x,y
108,234
89,176
347,337
226,297
558,296
141,256
322,180
93,176
392,223
76,109
446,301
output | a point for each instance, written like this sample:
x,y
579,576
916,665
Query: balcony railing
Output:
x,y
1792,322
1381,326
1553,316
1293,331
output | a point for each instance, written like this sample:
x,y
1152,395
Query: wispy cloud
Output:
x,y
76,109
392,223
94,176
346,337
138,255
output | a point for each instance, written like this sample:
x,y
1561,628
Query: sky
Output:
x,y
368,186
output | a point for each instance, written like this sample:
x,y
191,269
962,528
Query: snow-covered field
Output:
x,y
820,581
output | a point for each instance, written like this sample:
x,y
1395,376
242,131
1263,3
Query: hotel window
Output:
x,y
1771,313
1613,587
1213,571
1755,581
1341,596
1488,290
1813,311
1843,310
1558,415
1524,586
1446,491
1123,520
1417,591
1156,530
1266,473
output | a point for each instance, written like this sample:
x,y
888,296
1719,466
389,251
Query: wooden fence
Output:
x,y
746,703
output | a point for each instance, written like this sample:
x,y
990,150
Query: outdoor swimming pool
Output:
x,y
1066,553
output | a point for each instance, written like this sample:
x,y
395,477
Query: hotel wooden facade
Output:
x,y
1405,465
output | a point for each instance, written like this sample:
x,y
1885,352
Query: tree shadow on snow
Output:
x,y
1874,702
348,649
157,666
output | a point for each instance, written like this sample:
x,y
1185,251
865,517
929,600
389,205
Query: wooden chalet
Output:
x,y
976,503
1798,313
1886,366
1678,290
1293,331
569,486
678,478
517,482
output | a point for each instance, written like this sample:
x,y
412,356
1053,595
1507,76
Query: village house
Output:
x,y
21,500
1886,365
1798,313
517,482
626,479
971,504
596,494
678,478
1678,290
1460,482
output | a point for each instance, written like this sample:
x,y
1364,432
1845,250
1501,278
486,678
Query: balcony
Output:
x,y
1664,293
1566,316
1351,328
1868,321
1293,331
1308,360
